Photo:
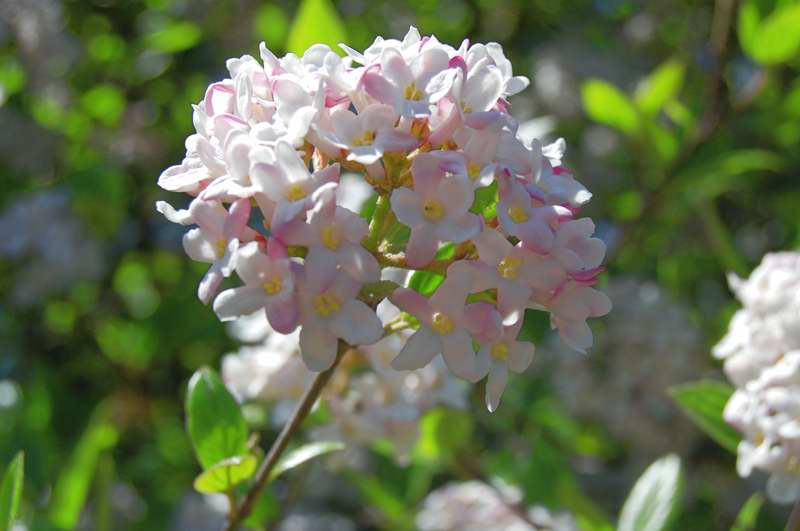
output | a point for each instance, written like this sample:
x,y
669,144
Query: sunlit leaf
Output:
x,y
704,402
271,25
316,22
215,422
748,515
104,103
11,492
72,487
655,497
175,37
443,432
226,474
777,38
606,104
661,86
304,453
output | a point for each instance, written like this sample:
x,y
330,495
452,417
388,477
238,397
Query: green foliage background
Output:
x,y
688,144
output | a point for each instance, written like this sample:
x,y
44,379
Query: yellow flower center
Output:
x,y
517,214
411,92
465,107
507,268
220,246
367,139
326,304
295,192
329,238
432,210
500,351
273,285
441,323
473,170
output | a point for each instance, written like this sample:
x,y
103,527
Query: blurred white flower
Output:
x,y
476,506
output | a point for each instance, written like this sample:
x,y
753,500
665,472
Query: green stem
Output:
x,y
376,225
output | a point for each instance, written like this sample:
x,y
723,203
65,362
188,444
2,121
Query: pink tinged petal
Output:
x,y
598,302
227,263
244,300
289,97
440,84
419,350
449,297
283,316
483,89
457,195
520,355
406,205
378,117
198,247
296,232
535,235
428,64
320,268
496,384
421,247
286,211
328,174
459,356
209,284
427,174
354,227
365,154
483,322
512,299
576,334
391,140
318,346
482,120
492,246
210,217
207,153
459,230
395,69
252,265
346,126
474,276
219,98
359,263
411,302
379,88
270,180
290,162
181,217
238,216
516,85
237,155
356,323
182,178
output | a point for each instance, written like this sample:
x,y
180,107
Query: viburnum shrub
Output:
x,y
458,197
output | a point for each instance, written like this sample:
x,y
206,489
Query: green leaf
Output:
x,y
443,432
777,38
748,515
749,19
72,487
660,87
11,492
377,494
175,37
655,497
304,453
425,282
316,22
214,419
226,474
704,402
105,103
606,104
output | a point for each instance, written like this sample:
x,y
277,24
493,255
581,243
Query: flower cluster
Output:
x,y
762,357
427,126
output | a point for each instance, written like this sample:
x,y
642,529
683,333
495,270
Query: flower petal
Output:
x,y
357,324
318,346
419,350
244,300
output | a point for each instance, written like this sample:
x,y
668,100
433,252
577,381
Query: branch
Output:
x,y
237,515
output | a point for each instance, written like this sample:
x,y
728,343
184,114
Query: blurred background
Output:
x,y
683,119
